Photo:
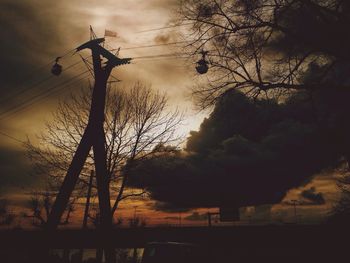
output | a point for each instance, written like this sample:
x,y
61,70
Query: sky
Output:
x,y
34,32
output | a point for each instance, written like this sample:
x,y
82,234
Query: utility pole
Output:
x,y
295,210
135,207
86,212
88,197
93,138
209,219
210,214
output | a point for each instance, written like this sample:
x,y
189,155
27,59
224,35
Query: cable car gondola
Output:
x,y
56,68
202,64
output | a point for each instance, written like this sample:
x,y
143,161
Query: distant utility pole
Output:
x,y
93,138
135,207
295,202
209,215
88,197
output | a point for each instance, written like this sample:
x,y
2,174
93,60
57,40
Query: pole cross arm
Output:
x,y
90,44
113,60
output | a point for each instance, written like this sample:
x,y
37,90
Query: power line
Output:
x,y
43,95
157,56
155,45
47,93
20,92
38,100
159,59
70,51
35,85
31,73
34,98
40,96
166,27
11,137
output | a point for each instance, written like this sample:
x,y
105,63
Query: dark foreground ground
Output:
x,y
292,243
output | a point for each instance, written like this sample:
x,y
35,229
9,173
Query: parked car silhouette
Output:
x,y
171,252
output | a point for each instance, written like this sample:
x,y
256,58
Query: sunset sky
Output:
x,y
35,32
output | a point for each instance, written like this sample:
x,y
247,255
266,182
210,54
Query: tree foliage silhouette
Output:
x,y
269,48
137,122
279,86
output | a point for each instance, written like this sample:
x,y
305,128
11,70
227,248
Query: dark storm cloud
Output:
x,y
252,152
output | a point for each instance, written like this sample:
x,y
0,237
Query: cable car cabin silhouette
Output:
x,y
56,68
202,64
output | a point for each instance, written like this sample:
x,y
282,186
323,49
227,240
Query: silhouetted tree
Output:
x,y
137,121
41,202
6,217
340,213
269,48
289,61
